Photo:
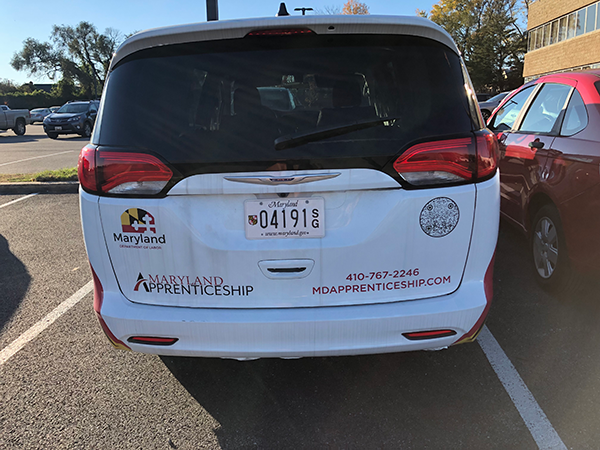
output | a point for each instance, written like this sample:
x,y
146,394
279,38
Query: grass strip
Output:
x,y
47,175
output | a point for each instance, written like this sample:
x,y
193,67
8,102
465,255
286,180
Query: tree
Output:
x,y
489,35
81,54
64,90
353,7
7,86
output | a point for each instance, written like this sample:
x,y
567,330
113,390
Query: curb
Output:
x,y
56,187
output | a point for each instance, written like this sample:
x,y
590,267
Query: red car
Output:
x,y
549,134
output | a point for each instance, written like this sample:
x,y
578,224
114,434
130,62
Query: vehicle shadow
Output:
x,y
515,281
36,134
14,282
12,138
552,339
405,400
73,137
446,399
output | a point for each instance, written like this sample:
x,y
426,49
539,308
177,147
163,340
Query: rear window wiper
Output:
x,y
297,139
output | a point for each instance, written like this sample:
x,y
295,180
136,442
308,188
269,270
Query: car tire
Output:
x,y
20,127
87,130
550,259
52,135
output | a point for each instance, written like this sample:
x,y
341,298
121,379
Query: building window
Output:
x,y
546,41
590,22
577,23
562,29
554,33
580,24
571,26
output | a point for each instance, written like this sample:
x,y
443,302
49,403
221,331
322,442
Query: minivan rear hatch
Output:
x,y
324,218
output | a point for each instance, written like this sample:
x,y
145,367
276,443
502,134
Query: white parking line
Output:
x,y
538,424
534,417
41,325
18,200
36,157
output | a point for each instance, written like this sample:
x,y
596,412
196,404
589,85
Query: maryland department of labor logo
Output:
x,y
253,220
136,220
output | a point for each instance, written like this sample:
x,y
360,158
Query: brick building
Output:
x,y
564,35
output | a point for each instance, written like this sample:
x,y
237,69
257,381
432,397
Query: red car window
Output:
x,y
576,118
545,109
507,115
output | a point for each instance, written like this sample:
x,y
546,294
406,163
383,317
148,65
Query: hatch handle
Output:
x,y
286,268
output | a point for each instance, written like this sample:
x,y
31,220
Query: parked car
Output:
x,y
54,108
482,97
15,119
39,114
488,106
72,118
367,227
549,133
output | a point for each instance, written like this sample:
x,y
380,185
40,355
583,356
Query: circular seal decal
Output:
x,y
439,217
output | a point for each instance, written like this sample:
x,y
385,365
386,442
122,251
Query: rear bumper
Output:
x,y
310,331
296,332
66,128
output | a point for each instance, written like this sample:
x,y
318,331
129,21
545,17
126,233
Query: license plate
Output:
x,y
58,128
285,218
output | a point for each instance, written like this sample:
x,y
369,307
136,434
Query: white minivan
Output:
x,y
363,220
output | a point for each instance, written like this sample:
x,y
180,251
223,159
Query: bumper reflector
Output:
x,y
148,340
433,334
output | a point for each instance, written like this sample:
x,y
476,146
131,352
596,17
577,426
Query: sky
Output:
x,y
36,19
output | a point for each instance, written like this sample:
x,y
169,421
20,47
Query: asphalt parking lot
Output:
x,y
63,386
34,151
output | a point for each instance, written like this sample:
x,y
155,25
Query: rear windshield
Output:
x,y
229,101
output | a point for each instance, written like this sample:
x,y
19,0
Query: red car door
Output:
x,y
525,148
574,178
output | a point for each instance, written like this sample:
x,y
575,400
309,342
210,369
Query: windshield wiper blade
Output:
x,y
297,139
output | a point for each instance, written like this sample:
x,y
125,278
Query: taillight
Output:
x,y
109,172
450,161
281,32
487,155
86,168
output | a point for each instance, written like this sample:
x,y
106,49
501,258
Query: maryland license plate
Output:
x,y
285,218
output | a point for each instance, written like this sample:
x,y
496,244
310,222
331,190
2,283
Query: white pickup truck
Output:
x,y
15,119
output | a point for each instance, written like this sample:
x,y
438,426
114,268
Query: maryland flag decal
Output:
x,y
136,220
